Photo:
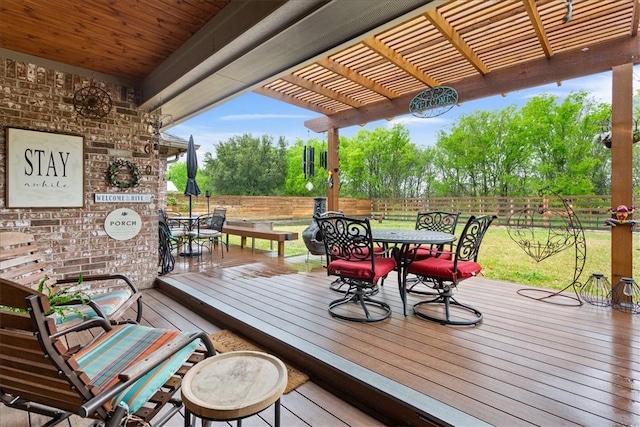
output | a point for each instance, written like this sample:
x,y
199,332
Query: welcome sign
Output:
x,y
44,169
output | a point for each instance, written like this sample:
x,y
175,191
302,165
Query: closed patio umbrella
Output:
x,y
192,188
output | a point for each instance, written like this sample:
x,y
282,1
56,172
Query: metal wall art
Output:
x,y
92,102
433,101
543,232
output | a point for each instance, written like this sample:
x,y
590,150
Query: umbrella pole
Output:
x,y
191,229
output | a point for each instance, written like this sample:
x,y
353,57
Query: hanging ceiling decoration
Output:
x,y
433,102
92,102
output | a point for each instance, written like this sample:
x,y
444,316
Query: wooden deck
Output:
x,y
307,405
527,363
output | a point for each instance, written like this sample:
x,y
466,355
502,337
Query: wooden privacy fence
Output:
x,y
591,210
271,208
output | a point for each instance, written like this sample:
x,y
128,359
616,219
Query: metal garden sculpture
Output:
x,y
542,232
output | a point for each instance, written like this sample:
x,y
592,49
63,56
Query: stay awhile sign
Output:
x,y
44,169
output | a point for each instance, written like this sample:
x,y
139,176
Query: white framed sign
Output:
x,y
123,224
44,169
122,198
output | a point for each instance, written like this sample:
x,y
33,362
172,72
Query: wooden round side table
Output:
x,y
233,386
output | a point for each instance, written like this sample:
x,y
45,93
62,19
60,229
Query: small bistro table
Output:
x,y
403,240
187,222
233,386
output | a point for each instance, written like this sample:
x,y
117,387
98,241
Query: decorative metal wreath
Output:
x,y
92,102
433,102
115,170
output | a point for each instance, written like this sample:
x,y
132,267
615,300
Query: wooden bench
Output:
x,y
279,236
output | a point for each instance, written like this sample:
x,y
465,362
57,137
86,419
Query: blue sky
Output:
x,y
259,115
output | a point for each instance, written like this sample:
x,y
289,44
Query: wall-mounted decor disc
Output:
x,y
92,102
123,224
433,102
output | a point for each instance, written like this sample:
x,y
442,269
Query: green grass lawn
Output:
x,y
502,258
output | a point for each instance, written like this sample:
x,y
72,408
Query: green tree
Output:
x,y
177,173
509,152
561,135
248,166
378,163
479,156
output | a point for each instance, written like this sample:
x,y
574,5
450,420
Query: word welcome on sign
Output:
x,y
44,169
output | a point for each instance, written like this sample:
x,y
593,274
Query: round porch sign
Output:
x,y
123,224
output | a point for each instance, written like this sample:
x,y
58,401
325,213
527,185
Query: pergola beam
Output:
x,y
536,22
393,56
355,77
621,170
562,66
314,87
291,100
449,33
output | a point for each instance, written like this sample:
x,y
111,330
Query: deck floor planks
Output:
x,y
442,368
401,363
302,407
360,347
518,329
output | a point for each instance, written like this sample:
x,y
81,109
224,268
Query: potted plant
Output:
x,y
61,299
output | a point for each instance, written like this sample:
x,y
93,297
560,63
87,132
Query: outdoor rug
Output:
x,y
225,341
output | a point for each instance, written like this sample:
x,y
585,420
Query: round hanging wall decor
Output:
x,y
116,169
92,102
433,102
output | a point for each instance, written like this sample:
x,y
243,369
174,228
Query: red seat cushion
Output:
x,y
443,268
358,252
424,252
379,250
362,269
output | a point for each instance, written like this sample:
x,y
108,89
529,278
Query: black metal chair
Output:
x,y
445,222
448,273
351,257
208,231
167,243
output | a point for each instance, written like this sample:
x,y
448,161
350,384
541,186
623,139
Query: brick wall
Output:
x,y
39,98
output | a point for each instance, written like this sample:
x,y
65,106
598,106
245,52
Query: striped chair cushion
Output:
x,y
108,302
125,346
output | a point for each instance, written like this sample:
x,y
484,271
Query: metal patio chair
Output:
x,y
448,273
351,256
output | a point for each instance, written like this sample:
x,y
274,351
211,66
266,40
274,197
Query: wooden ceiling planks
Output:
x,y
455,43
460,40
119,38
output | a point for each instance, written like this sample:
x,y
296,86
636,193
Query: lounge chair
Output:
x,y
112,296
123,376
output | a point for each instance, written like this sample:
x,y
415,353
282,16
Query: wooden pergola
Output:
x,y
351,61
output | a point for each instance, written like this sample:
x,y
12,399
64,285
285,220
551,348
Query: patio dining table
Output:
x,y
402,241
187,222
